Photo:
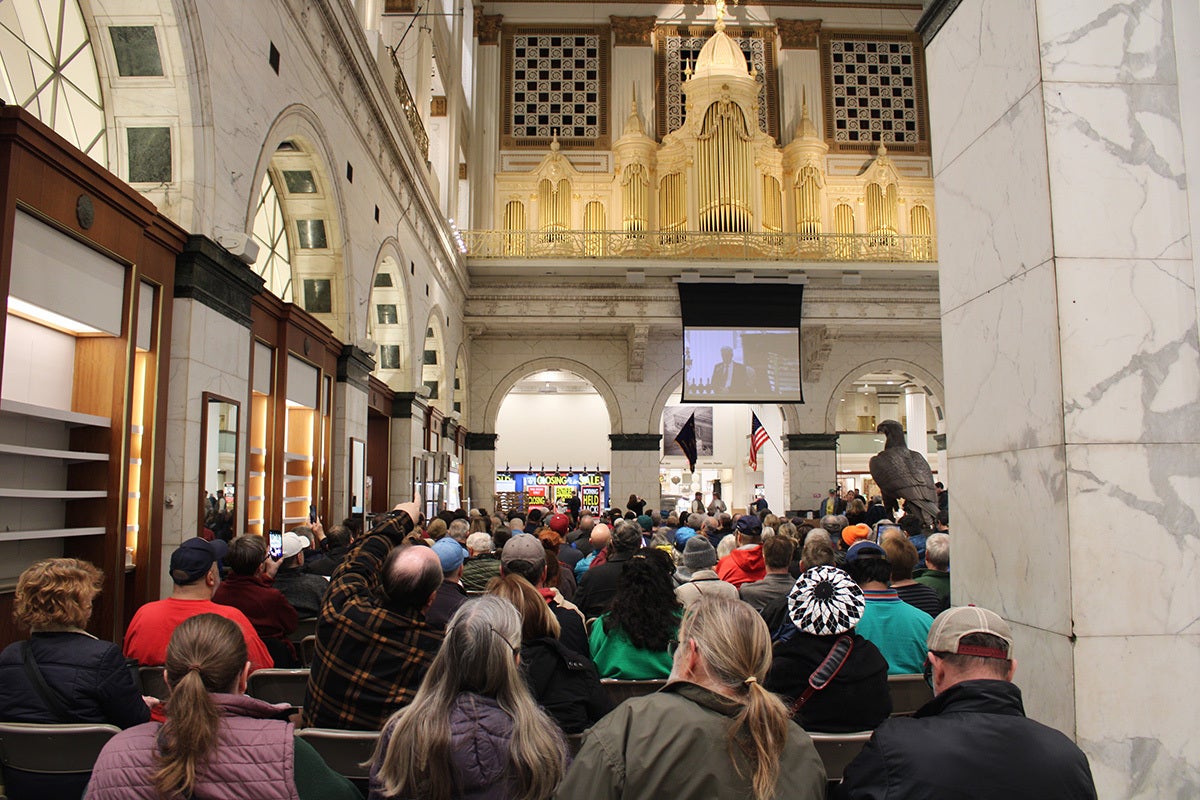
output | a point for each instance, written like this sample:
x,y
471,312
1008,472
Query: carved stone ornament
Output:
x,y
632,31
85,212
488,28
798,34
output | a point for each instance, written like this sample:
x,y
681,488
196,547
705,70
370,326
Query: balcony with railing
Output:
x,y
408,106
669,245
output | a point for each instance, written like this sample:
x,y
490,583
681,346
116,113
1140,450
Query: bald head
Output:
x,y
601,536
411,575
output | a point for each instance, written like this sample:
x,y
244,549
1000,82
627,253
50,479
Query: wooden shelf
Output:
x,y
56,533
257,451
253,474
297,457
53,494
294,478
46,452
288,520
254,522
254,498
301,499
54,414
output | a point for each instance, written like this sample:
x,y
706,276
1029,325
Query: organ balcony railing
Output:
x,y
409,106
756,246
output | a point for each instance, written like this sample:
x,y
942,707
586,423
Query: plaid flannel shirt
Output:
x,y
370,658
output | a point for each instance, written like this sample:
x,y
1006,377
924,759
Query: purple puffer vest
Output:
x,y
254,758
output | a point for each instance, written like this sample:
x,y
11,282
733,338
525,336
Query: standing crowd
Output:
x,y
477,646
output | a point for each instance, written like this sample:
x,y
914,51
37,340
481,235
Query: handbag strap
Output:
x,y
825,672
53,700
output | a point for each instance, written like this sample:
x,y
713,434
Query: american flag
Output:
x,y
758,437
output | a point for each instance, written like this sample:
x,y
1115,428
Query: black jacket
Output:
x,y
95,685
565,684
89,674
598,585
856,700
971,741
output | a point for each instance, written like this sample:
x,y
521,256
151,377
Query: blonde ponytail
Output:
x,y
735,644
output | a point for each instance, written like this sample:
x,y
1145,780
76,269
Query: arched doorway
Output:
x,y
723,432
868,399
552,430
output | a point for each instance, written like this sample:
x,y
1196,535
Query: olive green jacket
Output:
x,y
672,744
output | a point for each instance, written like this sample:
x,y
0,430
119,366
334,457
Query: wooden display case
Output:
x,y
84,261
290,416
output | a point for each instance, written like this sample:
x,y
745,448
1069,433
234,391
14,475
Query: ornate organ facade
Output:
x,y
719,184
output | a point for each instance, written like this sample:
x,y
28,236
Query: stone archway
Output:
x,y
505,384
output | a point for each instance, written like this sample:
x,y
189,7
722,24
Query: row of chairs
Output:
x,y
73,749
909,692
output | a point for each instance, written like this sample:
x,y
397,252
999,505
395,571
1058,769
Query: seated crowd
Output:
x,y
478,648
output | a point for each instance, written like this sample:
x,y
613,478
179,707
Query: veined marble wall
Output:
x,y
1069,317
209,353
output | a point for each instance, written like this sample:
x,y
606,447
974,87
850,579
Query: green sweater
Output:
x,y
315,780
938,581
616,657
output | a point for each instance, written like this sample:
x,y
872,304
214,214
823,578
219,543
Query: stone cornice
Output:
x,y
209,274
487,27
632,31
798,34
810,441
639,442
937,12
481,441
354,367
371,110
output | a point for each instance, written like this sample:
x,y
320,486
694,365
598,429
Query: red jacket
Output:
x,y
272,616
743,566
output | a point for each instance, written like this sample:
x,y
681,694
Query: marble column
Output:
x,y
811,468
915,420
635,459
210,352
481,161
405,444
349,421
481,470
1060,134
799,74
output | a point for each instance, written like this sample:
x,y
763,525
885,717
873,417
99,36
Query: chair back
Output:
x,y
308,650
620,690
909,693
52,749
152,681
344,751
306,626
837,750
279,686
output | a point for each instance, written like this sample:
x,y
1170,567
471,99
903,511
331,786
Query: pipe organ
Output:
x,y
720,173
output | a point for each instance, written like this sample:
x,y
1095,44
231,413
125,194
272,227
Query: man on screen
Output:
x,y
732,377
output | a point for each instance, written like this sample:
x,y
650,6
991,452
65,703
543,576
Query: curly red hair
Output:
x,y
57,592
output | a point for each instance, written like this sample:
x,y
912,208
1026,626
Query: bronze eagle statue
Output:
x,y
901,473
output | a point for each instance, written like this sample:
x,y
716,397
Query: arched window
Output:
x,y
921,228
635,185
48,67
594,219
843,225
270,230
808,202
515,224
724,164
772,208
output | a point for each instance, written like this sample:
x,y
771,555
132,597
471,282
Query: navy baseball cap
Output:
x,y
864,549
194,558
